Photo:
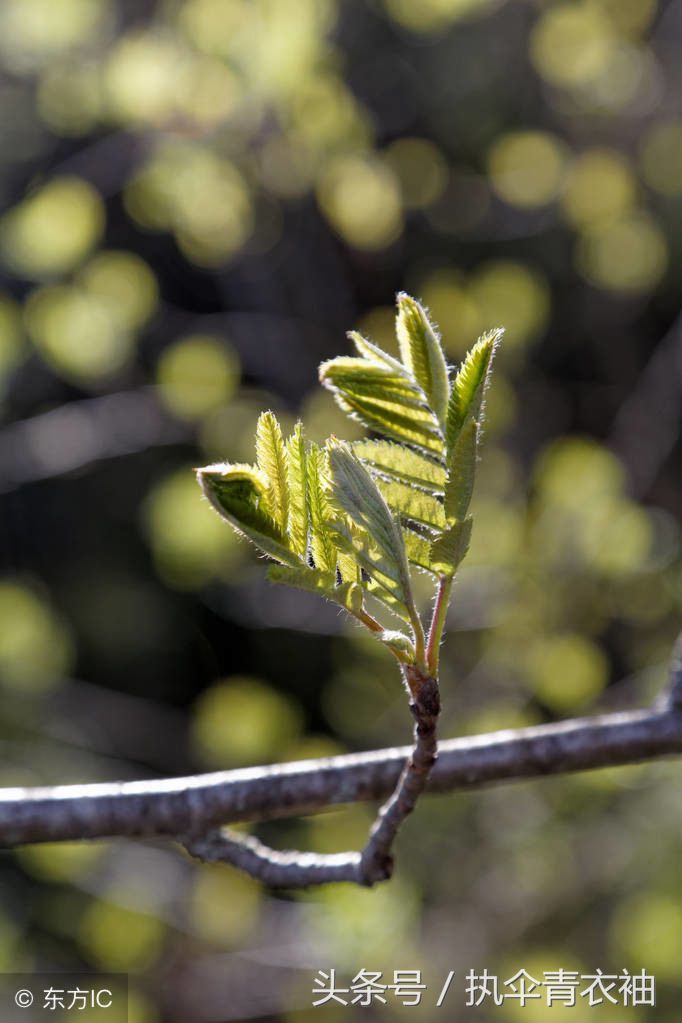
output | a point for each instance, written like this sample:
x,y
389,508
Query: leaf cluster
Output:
x,y
351,521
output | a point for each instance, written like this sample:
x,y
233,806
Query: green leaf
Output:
x,y
348,595
422,353
468,388
239,493
449,550
387,598
382,559
384,576
356,494
411,503
348,565
298,491
463,427
379,382
460,482
373,353
418,550
272,462
348,522
401,463
398,642
383,400
321,539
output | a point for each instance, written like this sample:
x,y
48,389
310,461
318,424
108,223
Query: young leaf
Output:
x,y
373,353
449,550
348,565
422,353
382,550
386,596
348,595
321,539
418,550
401,463
460,483
298,491
272,462
468,388
410,503
359,547
347,522
378,380
384,400
239,493
399,643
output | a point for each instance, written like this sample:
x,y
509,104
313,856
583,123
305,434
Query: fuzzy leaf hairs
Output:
x,y
351,521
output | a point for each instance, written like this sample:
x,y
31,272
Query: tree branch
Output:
x,y
192,810
181,806
674,691
290,869
376,860
293,869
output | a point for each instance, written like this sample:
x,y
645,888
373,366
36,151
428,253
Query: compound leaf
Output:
x,y
297,468
375,588
418,550
240,494
373,353
385,400
460,482
449,550
348,565
422,353
272,462
357,495
469,385
398,642
410,503
346,522
401,463
321,539
348,595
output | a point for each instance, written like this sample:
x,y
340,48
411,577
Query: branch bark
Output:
x,y
376,862
180,806
293,869
290,869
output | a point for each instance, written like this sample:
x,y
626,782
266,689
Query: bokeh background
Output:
x,y
200,197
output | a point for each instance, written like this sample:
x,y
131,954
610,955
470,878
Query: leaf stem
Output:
x,y
372,624
419,638
440,612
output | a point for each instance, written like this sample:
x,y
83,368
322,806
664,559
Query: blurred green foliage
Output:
x,y
200,197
